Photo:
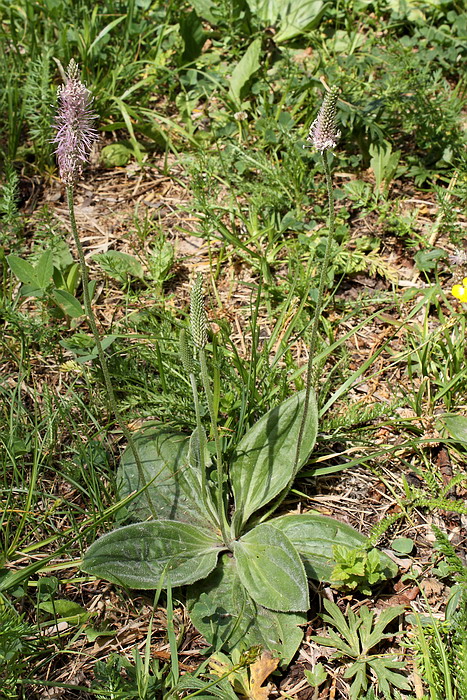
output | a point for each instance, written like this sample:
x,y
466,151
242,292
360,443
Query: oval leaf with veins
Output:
x,y
138,555
271,570
264,461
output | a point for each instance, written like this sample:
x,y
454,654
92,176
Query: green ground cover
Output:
x,y
201,171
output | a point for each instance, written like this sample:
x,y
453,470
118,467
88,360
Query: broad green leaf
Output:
x,y
317,676
174,485
403,545
271,570
193,35
44,269
68,303
222,610
119,265
32,290
314,536
116,154
138,555
456,427
23,270
245,68
204,8
198,455
264,461
266,10
66,609
299,16
72,278
290,18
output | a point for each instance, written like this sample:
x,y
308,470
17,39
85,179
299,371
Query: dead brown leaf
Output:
x,y
259,671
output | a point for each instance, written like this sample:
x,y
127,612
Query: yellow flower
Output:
x,y
460,290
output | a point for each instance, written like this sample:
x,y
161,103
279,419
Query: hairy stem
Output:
x,y
202,447
311,374
100,350
217,442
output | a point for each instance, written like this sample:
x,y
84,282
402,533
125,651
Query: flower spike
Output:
x,y
323,133
74,124
198,320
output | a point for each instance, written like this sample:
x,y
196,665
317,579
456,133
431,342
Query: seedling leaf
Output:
x,y
245,68
23,270
455,425
68,303
44,269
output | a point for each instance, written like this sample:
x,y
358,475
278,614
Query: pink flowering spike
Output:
x,y
323,132
74,124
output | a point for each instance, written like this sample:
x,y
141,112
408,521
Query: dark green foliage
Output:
x,y
458,646
450,566
39,104
440,648
10,218
356,569
251,591
17,641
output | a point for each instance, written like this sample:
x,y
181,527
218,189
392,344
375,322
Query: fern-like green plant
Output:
x,y
39,107
17,642
452,563
10,219
440,646
355,639
458,646
433,657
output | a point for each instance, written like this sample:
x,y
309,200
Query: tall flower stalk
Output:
x,y
323,136
74,138
200,338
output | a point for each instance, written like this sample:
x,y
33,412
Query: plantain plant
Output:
x,y
214,529
245,569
